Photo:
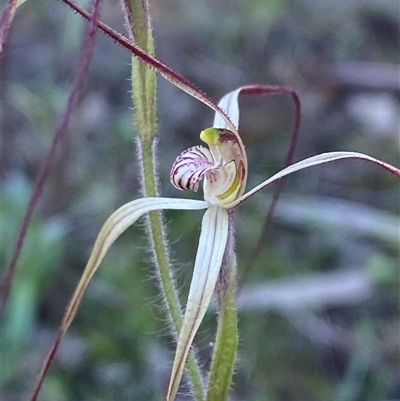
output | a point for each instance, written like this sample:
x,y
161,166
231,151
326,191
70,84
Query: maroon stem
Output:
x,y
46,166
83,68
162,69
273,90
6,21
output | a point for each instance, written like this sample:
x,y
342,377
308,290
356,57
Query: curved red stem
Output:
x,y
273,90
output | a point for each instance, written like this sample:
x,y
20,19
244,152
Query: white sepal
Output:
x,y
230,105
212,243
315,161
115,225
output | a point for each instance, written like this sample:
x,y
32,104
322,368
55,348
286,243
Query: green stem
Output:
x,y
158,239
164,272
226,343
144,95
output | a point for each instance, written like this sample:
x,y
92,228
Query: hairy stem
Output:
x,y
144,102
226,342
162,262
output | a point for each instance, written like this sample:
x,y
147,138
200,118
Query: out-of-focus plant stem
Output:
x,y
144,101
5,23
61,132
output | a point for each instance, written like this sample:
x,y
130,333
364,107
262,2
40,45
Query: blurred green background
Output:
x,y
319,309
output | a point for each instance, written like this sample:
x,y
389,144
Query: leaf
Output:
x,y
315,161
116,224
212,243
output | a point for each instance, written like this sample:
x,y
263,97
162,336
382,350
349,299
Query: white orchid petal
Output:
x,y
315,161
212,243
190,166
230,105
115,225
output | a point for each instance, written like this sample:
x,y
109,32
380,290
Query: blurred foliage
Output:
x,y
34,272
117,348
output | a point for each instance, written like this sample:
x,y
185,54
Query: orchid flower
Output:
x,y
223,168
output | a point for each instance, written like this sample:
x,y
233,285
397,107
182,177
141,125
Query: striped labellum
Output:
x,y
222,166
